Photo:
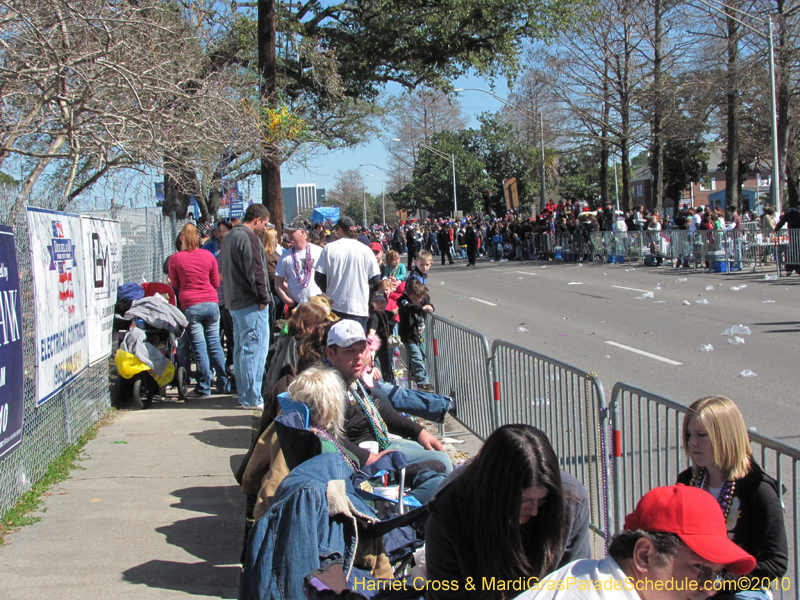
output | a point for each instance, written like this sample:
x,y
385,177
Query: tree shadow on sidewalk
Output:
x,y
215,539
234,438
199,579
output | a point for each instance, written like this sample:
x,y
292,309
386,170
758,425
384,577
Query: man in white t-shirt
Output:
x,y
673,547
697,218
294,273
347,272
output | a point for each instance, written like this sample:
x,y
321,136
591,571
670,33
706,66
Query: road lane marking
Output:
x,y
647,354
484,301
526,272
631,289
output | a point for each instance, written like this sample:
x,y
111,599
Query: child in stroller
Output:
x,y
151,324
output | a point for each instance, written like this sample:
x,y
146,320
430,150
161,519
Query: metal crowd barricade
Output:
x,y
461,368
647,449
787,250
720,251
648,452
566,403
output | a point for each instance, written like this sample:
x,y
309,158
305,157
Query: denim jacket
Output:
x,y
312,522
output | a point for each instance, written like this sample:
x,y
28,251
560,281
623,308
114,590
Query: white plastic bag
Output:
x,y
737,330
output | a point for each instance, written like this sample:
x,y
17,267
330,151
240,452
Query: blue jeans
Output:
x,y
251,342
416,363
425,405
203,331
416,453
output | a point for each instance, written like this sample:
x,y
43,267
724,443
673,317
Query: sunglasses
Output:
x,y
704,573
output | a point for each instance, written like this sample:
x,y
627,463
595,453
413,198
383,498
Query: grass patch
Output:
x,y
20,515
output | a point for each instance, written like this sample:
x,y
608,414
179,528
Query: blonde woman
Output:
x,y
715,440
322,390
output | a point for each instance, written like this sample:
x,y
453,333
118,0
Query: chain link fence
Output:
x,y
148,238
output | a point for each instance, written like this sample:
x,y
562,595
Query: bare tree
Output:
x,y
596,74
90,86
419,116
349,187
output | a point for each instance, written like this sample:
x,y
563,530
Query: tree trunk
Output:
x,y
270,161
732,185
625,115
180,184
783,74
604,143
31,180
792,191
658,141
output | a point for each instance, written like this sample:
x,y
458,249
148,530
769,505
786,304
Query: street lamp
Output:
x,y
450,157
528,114
383,201
721,7
376,166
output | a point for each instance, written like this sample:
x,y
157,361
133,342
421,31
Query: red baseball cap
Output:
x,y
376,247
694,516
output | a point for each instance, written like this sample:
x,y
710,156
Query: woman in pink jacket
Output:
x,y
195,279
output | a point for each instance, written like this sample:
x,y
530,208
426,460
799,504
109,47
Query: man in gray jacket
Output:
x,y
247,297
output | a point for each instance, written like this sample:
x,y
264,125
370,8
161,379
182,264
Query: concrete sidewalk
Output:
x,y
154,512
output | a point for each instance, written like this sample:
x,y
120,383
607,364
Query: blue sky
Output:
x,y
322,170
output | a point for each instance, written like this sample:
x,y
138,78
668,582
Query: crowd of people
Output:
x,y
313,324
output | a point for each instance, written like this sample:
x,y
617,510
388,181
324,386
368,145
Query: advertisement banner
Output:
x,y
11,366
102,251
59,297
234,200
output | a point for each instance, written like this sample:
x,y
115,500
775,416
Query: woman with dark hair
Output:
x,y
195,279
305,319
715,439
509,513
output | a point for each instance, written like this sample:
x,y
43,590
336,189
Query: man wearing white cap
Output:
x,y
674,546
370,417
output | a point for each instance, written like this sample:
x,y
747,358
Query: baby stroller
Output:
x,y
146,359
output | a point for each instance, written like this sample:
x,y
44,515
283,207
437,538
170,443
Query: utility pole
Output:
x,y
541,149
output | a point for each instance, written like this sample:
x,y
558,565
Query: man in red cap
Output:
x,y
674,546
377,250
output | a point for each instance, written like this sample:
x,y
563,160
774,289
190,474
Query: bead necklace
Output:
x,y
374,417
309,267
726,492
326,436
365,402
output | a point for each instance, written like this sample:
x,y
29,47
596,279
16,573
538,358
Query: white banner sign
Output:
x,y
59,296
102,253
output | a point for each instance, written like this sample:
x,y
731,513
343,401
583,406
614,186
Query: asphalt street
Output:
x,y
590,316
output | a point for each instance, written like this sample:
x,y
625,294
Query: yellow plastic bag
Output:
x,y
128,365
166,376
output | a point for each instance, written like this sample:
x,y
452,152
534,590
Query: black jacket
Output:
x,y
791,218
412,319
444,240
755,523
